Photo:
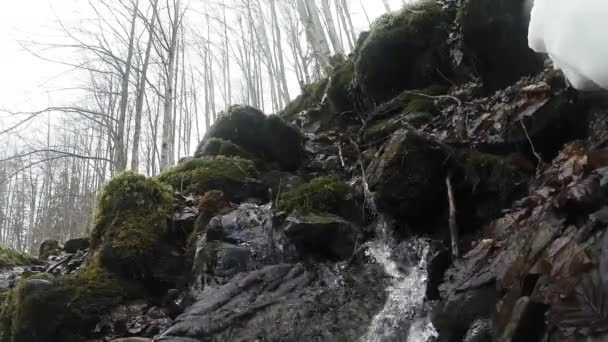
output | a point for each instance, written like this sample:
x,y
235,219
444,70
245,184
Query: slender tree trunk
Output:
x,y
141,90
121,153
331,27
167,157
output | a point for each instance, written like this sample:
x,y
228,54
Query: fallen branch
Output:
x,y
434,97
452,219
536,154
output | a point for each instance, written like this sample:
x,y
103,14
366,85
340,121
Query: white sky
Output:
x,y
29,83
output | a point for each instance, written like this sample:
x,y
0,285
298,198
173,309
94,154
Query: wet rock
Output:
x,y
322,234
480,331
265,303
527,322
267,137
133,339
75,245
408,177
49,248
220,147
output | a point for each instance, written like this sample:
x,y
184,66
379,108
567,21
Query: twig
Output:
x,y
340,154
452,219
536,154
434,97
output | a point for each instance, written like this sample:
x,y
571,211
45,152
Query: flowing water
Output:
x,y
403,318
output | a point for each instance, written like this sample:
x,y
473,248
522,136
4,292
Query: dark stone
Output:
x,y
266,137
527,322
409,177
49,248
404,50
284,302
75,245
322,234
220,147
495,35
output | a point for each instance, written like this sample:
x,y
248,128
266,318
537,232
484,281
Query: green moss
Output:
x,y
47,248
420,105
131,213
62,309
311,96
339,87
489,173
268,138
10,258
211,205
204,174
404,50
320,194
220,147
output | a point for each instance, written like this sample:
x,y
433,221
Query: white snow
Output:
x,y
574,33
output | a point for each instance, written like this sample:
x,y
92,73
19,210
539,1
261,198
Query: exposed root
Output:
x,y
452,219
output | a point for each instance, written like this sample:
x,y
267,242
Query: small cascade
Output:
x,y
403,318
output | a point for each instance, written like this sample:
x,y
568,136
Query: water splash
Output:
x,y
403,318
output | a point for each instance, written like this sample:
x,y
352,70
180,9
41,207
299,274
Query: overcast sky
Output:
x,y
29,83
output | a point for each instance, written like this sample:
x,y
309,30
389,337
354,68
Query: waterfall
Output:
x,y
403,318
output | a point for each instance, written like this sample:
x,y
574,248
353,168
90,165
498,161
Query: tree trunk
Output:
x,y
141,90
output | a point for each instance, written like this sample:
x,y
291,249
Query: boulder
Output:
x,y
49,248
267,137
234,176
220,147
284,302
74,245
409,177
404,50
494,37
322,234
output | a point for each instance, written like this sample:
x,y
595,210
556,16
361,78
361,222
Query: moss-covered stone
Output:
x,y
41,308
10,258
47,248
268,138
404,50
338,92
231,175
212,203
486,184
320,194
130,217
311,96
220,147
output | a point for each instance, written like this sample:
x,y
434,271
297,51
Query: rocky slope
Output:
x,y
331,220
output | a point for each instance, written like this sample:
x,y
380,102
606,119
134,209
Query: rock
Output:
x,y
234,176
266,137
74,245
133,339
49,248
220,147
265,303
409,177
411,45
322,234
480,331
494,38
130,232
527,322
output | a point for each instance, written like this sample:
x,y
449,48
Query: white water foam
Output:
x,y
403,318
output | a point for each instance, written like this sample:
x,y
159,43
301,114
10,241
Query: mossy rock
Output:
x,y
495,41
234,176
11,258
220,147
212,204
49,247
130,220
486,184
268,138
404,50
409,178
323,194
42,308
339,90
311,97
